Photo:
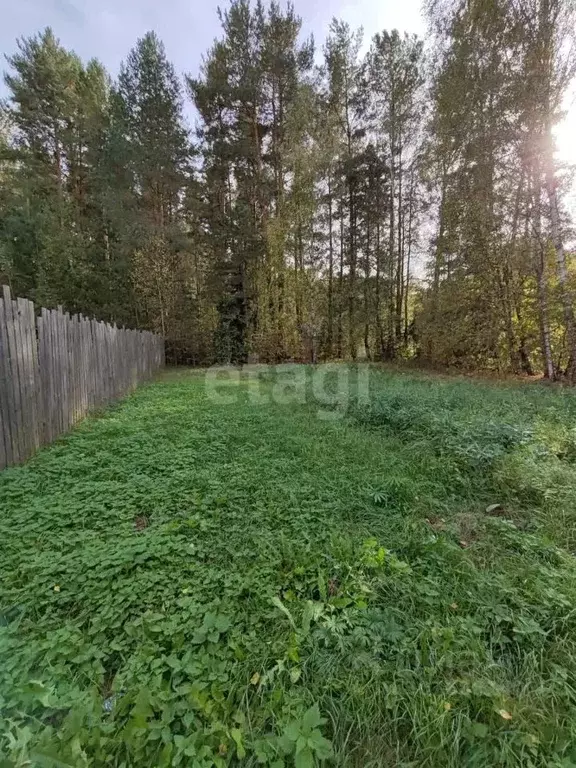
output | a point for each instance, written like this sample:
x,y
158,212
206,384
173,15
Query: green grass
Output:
x,y
197,584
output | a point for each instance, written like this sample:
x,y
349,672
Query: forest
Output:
x,y
382,199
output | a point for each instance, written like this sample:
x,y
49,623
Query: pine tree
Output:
x,y
55,110
154,142
246,95
293,229
395,78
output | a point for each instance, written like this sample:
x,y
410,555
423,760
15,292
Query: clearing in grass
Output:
x,y
200,580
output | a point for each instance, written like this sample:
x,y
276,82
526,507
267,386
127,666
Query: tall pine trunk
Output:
x,y
366,294
339,340
540,269
329,340
565,292
400,259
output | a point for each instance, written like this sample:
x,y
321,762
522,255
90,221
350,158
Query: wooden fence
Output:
x,y
56,367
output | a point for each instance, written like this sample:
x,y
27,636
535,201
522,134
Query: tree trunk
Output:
x,y
540,268
340,283
562,271
297,272
366,287
352,276
391,309
400,261
408,255
505,284
438,254
378,309
330,274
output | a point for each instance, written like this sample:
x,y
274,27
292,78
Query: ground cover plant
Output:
x,y
386,582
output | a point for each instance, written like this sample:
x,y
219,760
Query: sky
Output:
x,y
107,29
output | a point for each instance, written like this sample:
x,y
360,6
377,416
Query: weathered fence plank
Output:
x,y
56,368
13,377
5,394
38,416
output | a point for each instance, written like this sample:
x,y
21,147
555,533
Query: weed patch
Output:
x,y
186,583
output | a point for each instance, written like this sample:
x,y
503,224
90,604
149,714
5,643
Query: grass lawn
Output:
x,y
195,583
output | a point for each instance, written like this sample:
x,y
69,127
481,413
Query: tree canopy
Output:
x,y
391,200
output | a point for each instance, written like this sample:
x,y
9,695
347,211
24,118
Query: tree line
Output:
x,y
390,200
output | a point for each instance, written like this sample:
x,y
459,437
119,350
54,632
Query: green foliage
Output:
x,y
291,227
268,236
48,227
94,184
187,583
501,290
